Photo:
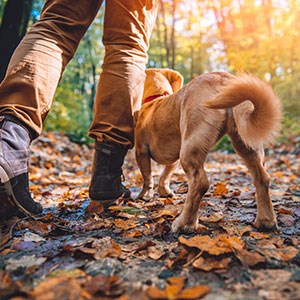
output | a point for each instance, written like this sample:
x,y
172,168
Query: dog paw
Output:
x,y
266,224
164,192
145,195
179,226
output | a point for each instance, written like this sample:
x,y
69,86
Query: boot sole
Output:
x,y
6,184
108,202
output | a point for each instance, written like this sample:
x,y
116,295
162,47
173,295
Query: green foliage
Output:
x,y
224,144
261,37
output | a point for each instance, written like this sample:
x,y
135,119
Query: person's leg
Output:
x,y
127,29
27,91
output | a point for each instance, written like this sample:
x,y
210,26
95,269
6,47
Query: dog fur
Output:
x,y
186,125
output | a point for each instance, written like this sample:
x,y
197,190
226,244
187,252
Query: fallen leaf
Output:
x,y
208,264
125,224
132,234
155,253
259,235
220,244
250,259
32,237
220,189
213,218
205,243
195,292
238,230
95,207
59,288
102,285
106,247
174,290
26,261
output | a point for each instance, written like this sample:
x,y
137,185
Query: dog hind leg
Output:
x,y
144,163
254,160
193,165
164,181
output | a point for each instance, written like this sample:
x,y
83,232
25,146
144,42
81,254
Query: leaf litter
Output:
x,y
78,250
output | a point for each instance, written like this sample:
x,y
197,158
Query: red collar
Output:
x,y
150,98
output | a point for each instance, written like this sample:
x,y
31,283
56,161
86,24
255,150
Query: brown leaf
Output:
x,y
59,288
144,246
239,230
125,224
7,285
259,235
270,250
213,218
215,246
250,259
103,285
95,207
109,250
132,234
209,264
155,253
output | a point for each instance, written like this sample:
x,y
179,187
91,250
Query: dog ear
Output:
x,y
175,79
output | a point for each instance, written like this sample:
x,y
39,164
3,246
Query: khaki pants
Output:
x,y
38,62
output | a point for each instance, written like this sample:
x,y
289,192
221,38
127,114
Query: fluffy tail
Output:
x,y
258,120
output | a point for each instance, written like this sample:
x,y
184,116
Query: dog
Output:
x,y
184,123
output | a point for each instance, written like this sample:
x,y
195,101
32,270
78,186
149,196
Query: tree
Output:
x,y
13,28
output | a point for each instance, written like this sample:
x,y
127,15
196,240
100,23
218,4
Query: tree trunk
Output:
x,y
173,43
13,28
167,47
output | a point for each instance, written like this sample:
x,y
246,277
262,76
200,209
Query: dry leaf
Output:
x,y
59,288
220,189
208,264
213,218
155,253
95,207
238,230
195,292
109,250
259,235
250,259
215,246
174,290
125,224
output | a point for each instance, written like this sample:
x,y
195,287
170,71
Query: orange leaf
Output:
x,y
175,291
211,263
259,235
220,189
175,287
194,292
155,293
206,243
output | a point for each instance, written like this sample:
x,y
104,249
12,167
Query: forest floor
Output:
x,y
75,250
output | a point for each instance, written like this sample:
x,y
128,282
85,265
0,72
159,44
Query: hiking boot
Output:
x,y
106,185
14,154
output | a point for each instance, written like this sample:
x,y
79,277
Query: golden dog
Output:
x,y
185,123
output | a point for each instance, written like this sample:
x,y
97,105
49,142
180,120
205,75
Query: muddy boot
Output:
x,y
14,188
106,185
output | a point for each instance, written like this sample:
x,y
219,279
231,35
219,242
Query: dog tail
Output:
x,y
258,119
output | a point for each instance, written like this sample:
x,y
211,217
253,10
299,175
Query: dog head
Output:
x,y
161,82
